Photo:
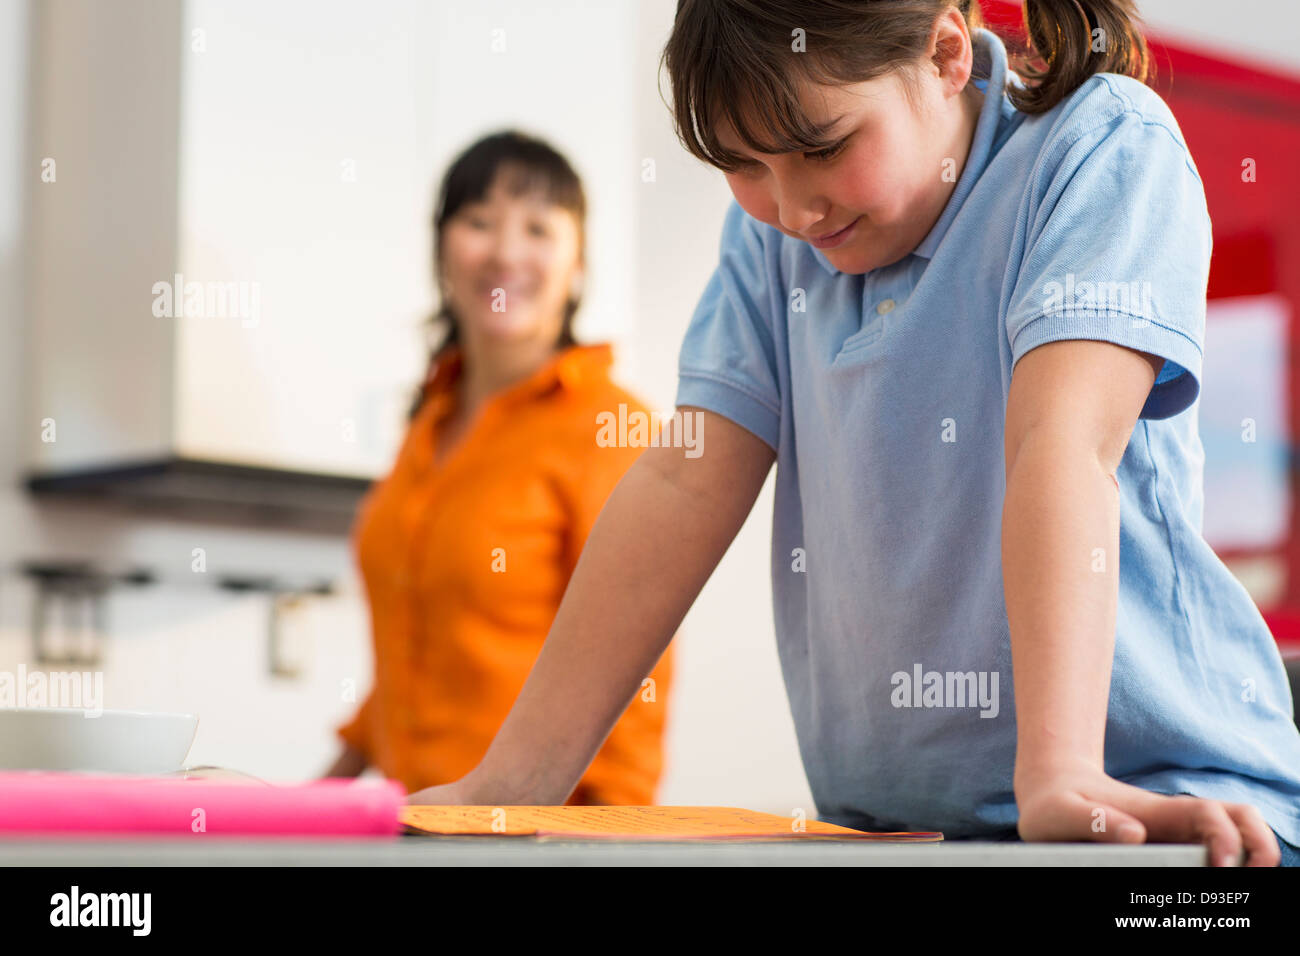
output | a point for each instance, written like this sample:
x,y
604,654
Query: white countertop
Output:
x,y
208,850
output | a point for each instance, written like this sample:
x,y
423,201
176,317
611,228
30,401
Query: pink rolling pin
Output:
x,y
89,803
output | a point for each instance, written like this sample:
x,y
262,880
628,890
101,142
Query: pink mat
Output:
x,y
83,803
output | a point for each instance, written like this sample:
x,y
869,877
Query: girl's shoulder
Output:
x,y
1107,105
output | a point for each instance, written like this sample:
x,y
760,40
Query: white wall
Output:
x,y
313,139
1262,33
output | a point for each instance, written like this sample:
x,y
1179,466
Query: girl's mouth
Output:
x,y
831,240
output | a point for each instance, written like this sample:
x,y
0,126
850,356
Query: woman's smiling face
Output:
x,y
881,184
509,263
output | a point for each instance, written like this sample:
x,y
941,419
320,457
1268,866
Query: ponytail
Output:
x,y
1076,39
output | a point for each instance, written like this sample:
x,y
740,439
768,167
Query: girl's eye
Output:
x,y
830,152
539,230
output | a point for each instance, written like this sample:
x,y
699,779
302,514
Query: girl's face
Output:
x,y
873,195
509,265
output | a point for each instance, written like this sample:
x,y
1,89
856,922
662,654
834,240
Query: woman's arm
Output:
x,y
1071,412
352,760
350,763
659,537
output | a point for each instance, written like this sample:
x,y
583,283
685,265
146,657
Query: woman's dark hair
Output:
x,y
738,59
525,165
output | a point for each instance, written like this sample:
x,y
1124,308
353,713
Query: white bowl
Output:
x,y
114,741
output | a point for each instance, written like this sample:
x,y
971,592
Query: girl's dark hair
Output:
x,y
736,60
525,164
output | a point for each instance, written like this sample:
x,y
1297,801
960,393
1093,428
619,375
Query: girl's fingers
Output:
x,y
1221,835
1185,819
1224,829
1073,816
1260,842
1119,827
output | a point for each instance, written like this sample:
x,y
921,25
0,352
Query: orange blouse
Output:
x,y
464,563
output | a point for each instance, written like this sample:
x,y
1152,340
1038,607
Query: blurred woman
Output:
x,y
466,548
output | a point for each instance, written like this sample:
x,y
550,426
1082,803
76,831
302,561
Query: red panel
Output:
x,y
1243,264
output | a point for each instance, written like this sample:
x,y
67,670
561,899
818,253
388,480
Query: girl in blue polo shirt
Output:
x,y
964,314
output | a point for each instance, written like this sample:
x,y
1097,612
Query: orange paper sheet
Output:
x,y
635,823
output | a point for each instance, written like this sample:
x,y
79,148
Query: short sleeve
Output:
x,y
1118,250
727,362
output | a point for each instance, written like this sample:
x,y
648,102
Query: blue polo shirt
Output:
x,y
884,396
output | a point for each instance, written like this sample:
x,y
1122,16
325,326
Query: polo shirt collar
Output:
x,y
568,368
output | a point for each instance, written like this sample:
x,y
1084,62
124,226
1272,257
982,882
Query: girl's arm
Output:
x,y
663,530
1072,409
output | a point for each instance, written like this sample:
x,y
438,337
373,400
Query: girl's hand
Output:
x,y
1086,804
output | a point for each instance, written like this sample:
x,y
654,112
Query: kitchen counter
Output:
x,y
528,851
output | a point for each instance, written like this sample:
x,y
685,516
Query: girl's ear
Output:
x,y
950,49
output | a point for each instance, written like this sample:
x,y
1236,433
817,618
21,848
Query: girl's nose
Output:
x,y
798,210
800,217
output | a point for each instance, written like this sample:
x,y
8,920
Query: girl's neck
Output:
x,y
972,104
973,101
